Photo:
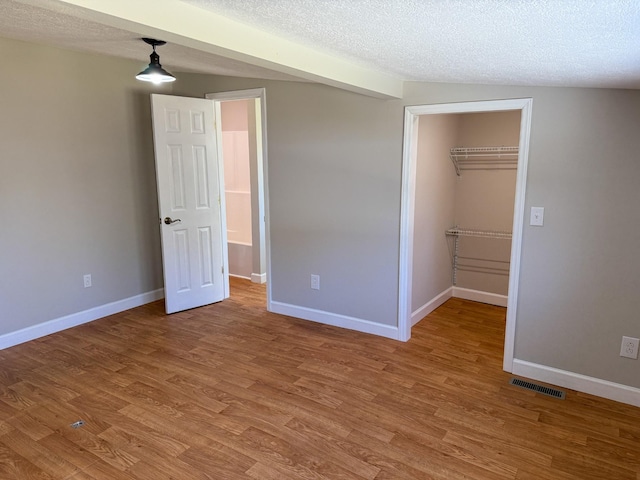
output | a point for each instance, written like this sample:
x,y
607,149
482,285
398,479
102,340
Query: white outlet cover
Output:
x,y
629,347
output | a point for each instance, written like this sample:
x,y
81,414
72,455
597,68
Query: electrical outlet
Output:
x,y
87,280
629,347
315,282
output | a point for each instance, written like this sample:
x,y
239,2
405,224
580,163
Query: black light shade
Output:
x,y
154,72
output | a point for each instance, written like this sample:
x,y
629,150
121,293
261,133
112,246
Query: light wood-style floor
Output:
x,y
230,391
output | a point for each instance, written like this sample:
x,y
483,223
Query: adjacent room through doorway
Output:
x,y
242,148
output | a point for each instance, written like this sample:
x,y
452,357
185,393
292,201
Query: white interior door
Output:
x,y
189,199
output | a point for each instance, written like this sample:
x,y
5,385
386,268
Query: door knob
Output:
x,y
169,221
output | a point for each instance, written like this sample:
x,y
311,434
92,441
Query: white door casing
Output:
x,y
189,180
412,113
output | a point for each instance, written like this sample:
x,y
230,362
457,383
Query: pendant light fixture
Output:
x,y
154,72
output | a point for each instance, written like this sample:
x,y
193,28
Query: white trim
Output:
x,y
575,381
242,244
58,324
479,296
259,277
431,305
407,212
409,160
217,122
335,320
237,94
239,276
516,242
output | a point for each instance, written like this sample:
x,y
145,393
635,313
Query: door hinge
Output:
x,y
222,270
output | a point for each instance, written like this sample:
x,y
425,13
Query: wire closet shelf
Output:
x,y
495,266
466,232
484,158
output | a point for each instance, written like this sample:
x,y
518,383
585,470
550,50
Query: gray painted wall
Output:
x,y
334,183
333,204
78,191
77,184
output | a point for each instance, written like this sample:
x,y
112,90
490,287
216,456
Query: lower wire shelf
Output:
x,y
457,232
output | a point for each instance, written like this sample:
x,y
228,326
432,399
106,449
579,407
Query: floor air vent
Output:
x,y
552,392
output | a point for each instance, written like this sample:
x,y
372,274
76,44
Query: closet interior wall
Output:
x,y
434,208
484,200
477,199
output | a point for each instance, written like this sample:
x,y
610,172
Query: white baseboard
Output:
x,y
478,296
58,324
335,319
431,305
239,276
259,277
575,381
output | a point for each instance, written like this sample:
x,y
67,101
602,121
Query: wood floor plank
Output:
x,y
100,448
260,471
218,460
14,466
69,451
231,391
38,455
143,442
28,425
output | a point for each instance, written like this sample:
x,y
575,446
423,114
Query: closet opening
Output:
x,y
475,155
464,174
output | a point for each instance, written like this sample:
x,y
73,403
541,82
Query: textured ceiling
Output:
x,y
518,42
592,43
62,27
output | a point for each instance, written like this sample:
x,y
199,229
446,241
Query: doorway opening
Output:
x,y
241,140
477,269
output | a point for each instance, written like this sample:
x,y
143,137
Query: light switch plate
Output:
x,y
537,216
